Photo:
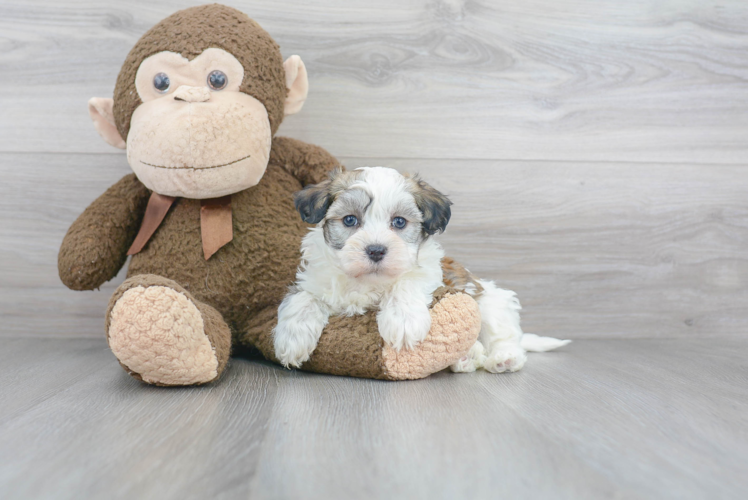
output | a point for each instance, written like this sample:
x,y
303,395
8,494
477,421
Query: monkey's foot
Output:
x,y
163,336
455,324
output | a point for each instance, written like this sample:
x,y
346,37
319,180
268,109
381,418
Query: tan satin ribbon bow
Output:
x,y
216,227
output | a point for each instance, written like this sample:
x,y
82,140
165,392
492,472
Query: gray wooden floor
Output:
x,y
636,418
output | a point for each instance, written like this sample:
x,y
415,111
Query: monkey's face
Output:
x,y
198,100
196,135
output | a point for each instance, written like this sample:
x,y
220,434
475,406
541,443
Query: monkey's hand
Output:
x,y
95,247
310,164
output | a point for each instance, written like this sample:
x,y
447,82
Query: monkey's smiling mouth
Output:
x,y
194,168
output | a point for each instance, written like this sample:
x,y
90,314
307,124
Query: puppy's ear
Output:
x,y
433,205
313,201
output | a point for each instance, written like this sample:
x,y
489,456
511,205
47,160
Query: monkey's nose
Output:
x,y
376,252
191,94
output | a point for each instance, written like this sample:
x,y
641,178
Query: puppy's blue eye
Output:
x,y
399,222
350,220
161,82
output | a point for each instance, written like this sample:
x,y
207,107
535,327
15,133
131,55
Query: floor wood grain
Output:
x,y
599,419
599,81
593,249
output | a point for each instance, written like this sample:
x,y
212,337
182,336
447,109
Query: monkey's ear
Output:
x,y
434,206
297,84
100,109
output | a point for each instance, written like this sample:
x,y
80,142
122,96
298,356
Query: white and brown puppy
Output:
x,y
372,249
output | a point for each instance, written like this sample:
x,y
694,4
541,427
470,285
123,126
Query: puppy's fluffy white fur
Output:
x,y
374,264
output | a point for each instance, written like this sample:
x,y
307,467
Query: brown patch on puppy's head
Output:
x,y
434,206
191,31
313,201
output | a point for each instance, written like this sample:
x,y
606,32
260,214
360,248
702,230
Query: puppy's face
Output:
x,y
374,219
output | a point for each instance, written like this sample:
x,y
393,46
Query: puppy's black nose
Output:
x,y
376,252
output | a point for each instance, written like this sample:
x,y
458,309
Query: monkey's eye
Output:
x,y
161,82
350,220
399,222
217,80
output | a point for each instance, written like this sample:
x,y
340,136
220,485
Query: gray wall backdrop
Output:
x,y
595,150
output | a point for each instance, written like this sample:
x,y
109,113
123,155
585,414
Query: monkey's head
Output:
x,y
198,100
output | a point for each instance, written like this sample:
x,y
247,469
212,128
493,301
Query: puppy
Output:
x,y
373,248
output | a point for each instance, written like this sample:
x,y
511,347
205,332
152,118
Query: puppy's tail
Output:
x,y
534,343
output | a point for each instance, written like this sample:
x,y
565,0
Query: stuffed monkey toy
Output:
x,y
208,214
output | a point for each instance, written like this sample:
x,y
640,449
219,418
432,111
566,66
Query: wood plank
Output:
x,y
633,250
41,196
114,437
645,82
593,249
604,419
36,370
641,418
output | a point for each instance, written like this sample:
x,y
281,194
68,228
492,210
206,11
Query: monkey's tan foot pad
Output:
x,y
162,336
455,324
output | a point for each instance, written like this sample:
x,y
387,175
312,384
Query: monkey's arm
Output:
x,y
352,346
310,164
95,247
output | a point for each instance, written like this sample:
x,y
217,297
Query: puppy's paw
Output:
x,y
405,325
295,339
474,359
505,359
